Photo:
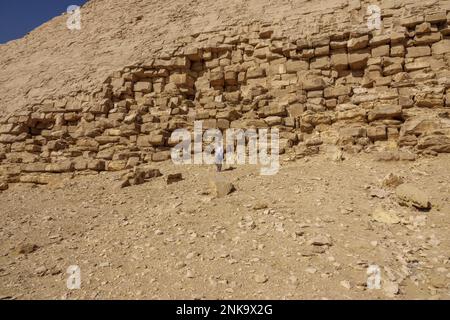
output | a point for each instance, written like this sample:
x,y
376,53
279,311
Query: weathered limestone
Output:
x,y
409,194
364,90
441,47
416,52
221,188
139,175
385,112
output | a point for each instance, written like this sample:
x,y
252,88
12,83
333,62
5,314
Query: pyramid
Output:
x,y
90,113
119,86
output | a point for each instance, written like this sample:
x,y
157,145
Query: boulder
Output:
x,y
419,125
436,143
410,195
221,188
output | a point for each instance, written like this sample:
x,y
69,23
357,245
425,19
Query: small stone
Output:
x,y
337,156
346,211
3,185
390,289
54,271
311,270
378,193
190,274
159,232
27,248
221,188
293,280
346,284
383,216
123,184
260,206
41,271
172,178
261,278
321,240
190,255
392,181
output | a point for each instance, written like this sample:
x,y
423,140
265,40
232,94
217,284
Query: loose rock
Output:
x,y
392,181
261,278
384,216
27,248
410,195
175,177
221,188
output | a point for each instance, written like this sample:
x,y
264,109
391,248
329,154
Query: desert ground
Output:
x,y
308,232
360,208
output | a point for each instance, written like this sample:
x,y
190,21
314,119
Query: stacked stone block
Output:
x,y
360,89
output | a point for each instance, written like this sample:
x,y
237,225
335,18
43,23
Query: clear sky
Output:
x,y
18,17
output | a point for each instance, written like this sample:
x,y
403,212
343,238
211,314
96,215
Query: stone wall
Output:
x,y
364,91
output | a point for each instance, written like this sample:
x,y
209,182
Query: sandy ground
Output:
x,y
305,233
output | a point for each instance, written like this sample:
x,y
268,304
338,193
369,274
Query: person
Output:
x,y
219,157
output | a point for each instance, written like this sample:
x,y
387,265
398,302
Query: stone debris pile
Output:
x,y
359,89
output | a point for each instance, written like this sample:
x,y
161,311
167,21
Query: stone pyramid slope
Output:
x,y
312,70
53,61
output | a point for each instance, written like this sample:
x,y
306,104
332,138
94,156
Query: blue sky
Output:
x,y
18,17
